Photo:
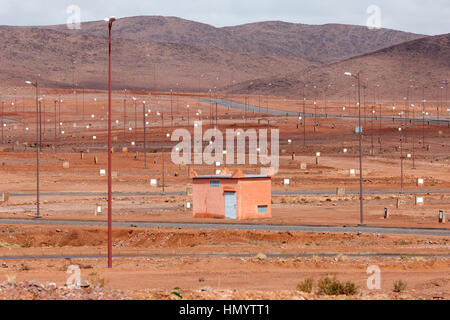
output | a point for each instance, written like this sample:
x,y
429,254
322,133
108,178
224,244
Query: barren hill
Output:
x,y
323,43
415,63
64,59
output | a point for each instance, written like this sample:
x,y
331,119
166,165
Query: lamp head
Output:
x,y
110,19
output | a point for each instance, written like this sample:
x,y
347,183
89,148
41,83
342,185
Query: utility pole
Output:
x,y
56,137
135,120
371,129
423,116
110,22
162,152
401,159
304,116
38,145
3,119
59,113
82,116
124,119
358,78
171,107
145,142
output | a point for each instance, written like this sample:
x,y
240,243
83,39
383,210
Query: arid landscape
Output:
x,y
167,73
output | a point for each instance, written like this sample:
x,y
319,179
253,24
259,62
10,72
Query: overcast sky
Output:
x,y
419,16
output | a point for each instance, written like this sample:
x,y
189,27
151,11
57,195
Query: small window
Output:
x,y
262,209
214,183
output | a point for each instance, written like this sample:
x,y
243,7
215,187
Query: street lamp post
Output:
x,y
145,140
124,119
304,116
371,135
401,158
358,77
423,117
187,107
413,138
110,23
162,152
38,146
56,138
135,120
3,119
171,107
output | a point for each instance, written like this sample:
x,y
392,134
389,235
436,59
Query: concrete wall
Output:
x,y
254,193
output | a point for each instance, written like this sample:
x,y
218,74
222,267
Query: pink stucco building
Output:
x,y
232,196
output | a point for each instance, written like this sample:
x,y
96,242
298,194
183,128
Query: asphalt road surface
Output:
x,y
323,255
183,193
224,226
240,106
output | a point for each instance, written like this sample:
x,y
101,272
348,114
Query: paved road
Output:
x,y
240,106
384,192
183,193
222,226
327,255
97,194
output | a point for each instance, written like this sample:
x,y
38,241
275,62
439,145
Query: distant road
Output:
x,y
277,193
230,255
183,193
240,106
229,226
98,194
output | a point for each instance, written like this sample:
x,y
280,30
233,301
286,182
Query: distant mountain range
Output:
x,y
162,53
413,64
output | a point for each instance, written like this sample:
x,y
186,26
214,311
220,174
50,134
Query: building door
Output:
x,y
230,205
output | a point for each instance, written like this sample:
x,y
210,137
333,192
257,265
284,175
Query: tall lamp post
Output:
x,y
110,23
3,119
38,146
304,116
413,139
56,138
145,126
187,107
357,77
135,120
423,116
402,137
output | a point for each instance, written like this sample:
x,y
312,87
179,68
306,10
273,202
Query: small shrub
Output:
x,y
330,286
95,280
176,292
305,286
399,286
340,257
11,279
25,267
